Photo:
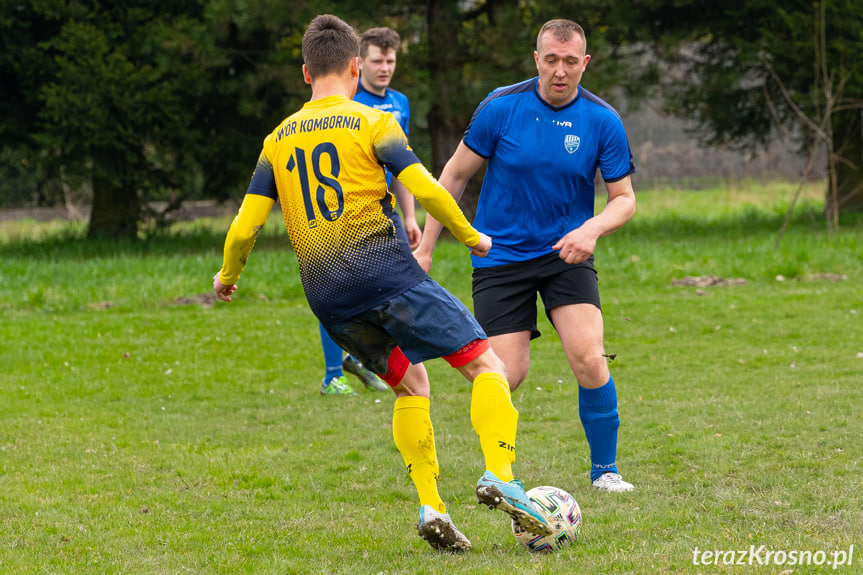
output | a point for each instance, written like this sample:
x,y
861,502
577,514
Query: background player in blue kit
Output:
x,y
378,48
544,139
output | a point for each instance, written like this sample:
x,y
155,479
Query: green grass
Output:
x,y
145,430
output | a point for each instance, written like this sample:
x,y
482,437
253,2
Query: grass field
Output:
x,y
146,429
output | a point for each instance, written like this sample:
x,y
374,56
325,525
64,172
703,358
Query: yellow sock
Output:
x,y
495,420
414,437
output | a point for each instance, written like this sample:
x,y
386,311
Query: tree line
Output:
x,y
137,100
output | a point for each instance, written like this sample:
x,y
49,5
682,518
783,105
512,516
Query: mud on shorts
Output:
x,y
425,322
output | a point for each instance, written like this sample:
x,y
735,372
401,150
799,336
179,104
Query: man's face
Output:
x,y
377,69
560,66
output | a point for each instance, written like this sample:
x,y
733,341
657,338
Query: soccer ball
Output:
x,y
563,514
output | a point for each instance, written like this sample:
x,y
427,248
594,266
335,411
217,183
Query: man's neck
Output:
x,y
382,92
544,97
333,85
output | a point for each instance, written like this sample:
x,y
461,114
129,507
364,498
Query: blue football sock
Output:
x,y
597,409
332,355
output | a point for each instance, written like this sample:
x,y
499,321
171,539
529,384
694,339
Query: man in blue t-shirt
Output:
x,y
544,139
378,47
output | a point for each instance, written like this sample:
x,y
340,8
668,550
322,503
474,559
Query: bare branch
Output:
x,y
804,177
795,108
850,195
776,120
848,104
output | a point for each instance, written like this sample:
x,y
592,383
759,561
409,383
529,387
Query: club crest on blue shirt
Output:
x,y
571,143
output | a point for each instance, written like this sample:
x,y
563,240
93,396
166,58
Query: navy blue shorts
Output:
x,y
504,297
426,322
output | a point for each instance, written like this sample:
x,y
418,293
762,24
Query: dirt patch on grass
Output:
x,y
706,281
202,299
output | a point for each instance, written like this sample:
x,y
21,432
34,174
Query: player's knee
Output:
x,y
516,377
493,362
592,371
414,382
484,363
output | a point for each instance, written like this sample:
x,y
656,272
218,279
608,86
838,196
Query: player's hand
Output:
x,y
222,291
424,259
415,234
576,246
481,249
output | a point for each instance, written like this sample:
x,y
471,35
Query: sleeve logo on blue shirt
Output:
x,y
571,143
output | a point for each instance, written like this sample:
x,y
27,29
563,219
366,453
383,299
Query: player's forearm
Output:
x,y
619,209
405,199
431,231
242,235
439,204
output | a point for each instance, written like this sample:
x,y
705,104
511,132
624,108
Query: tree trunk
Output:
x,y
448,114
445,116
848,146
116,208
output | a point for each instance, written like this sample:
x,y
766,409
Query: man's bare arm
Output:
x,y
406,201
579,244
463,164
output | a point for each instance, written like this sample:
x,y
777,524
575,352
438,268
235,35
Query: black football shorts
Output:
x,y
504,297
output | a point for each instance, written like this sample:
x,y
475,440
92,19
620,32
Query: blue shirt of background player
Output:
x,y
393,101
539,183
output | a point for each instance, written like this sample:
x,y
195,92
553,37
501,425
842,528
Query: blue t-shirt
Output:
x,y
542,161
393,101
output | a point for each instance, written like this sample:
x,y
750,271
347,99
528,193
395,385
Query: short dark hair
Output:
x,y
328,45
384,38
563,30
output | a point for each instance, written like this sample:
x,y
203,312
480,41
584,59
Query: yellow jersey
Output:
x,y
325,165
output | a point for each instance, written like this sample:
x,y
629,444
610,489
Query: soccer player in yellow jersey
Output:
x,y
325,165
